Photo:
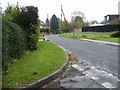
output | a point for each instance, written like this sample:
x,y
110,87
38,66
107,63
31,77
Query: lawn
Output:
x,y
34,65
104,36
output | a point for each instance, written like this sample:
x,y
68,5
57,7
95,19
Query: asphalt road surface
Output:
x,y
100,56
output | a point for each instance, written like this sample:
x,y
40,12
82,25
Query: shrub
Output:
x,y
115,34
26,18
5,46
12,42
33,39
16,40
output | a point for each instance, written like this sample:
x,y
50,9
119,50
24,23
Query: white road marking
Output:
x,y
104,78
107,85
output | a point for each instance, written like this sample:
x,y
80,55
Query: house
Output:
x,y
112,18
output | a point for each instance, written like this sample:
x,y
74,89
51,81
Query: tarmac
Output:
x,y
79,75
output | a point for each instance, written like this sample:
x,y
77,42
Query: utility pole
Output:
x,y
61,19
62,13
48,24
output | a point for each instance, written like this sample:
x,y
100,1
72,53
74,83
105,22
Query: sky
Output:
x,y
93,9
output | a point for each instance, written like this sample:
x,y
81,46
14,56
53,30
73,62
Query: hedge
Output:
x,y
13,43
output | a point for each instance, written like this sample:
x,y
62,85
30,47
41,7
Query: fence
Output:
x,y
105,28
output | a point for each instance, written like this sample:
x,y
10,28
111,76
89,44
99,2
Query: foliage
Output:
x,y
27,19
33,39
12,12
115,34
5,45
79,14
16,40
13,42
66,26
77,22
54,24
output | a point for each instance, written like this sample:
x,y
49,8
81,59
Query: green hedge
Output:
x,y
33,39
13,43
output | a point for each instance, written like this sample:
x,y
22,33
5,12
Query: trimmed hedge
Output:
x,y
13,43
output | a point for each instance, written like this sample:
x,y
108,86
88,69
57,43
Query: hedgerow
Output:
x,y
13,43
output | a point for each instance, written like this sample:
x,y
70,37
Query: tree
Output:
x,y
28,17
28,20
54,24
78,13
77,19
77,22
12,12
66,27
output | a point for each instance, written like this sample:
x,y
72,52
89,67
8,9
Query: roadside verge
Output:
x,y
40,83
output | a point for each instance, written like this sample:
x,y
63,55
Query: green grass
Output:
x,y
44,61
104,36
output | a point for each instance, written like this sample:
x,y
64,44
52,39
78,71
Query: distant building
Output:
x,y
111,18
119,10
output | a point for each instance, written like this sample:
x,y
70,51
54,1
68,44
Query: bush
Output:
x,y
33,39
115,34
5,46
16,40
27,19
12,42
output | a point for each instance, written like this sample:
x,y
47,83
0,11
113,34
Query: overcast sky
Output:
x,y
93,9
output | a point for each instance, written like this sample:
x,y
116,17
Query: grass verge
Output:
x,y
103,36
34,65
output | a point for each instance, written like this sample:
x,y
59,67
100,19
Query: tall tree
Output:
x,y
78,22
28,17
28,20
54,24
77,19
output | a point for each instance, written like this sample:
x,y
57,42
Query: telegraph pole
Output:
x,y
62,13
61,19
48,24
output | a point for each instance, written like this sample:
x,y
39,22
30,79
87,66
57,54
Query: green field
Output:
x,y
34,65
103,36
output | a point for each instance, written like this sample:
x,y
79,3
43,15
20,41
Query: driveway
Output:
x,y
101,58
